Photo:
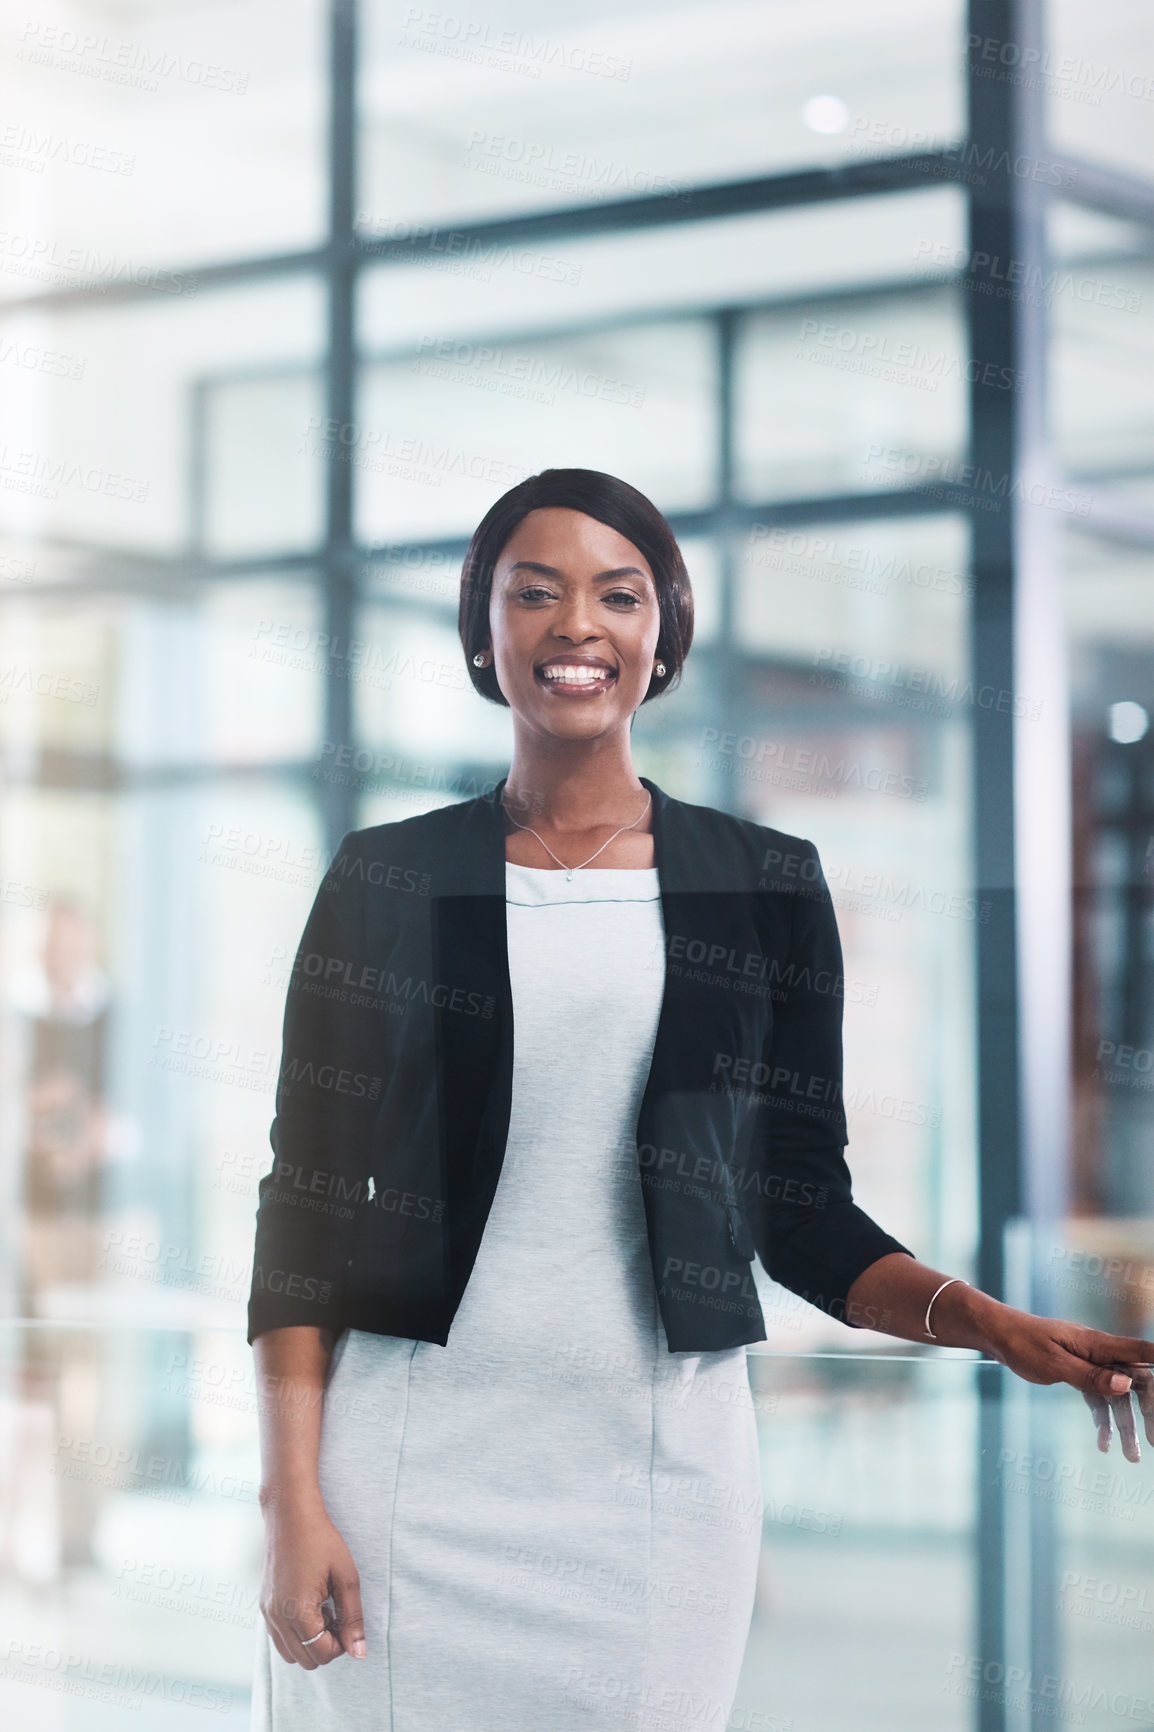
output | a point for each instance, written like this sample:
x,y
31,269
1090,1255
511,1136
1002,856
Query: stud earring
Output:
x,y
659,670
479,659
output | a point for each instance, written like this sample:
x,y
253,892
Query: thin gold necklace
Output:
x,y
569,870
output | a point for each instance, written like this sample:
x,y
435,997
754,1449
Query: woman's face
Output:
x,y
574,622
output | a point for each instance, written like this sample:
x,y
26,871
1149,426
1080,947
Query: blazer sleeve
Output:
x,y
326,1100
813,1238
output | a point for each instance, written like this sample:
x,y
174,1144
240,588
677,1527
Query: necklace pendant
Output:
x,y
569,870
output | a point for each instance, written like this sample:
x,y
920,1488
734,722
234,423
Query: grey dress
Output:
x,y
556,1521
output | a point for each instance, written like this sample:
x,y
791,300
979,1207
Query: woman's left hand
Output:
x,y
897,1294
1108,1369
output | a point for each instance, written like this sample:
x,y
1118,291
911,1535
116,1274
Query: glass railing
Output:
x,y
943,1545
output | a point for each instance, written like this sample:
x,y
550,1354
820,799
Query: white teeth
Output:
x,y
576,676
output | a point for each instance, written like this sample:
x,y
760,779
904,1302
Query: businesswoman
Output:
x,y
558,1063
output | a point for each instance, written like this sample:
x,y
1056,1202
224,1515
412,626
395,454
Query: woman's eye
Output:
x,y
536,593
624,595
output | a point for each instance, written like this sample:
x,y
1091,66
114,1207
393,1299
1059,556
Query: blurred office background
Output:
x,y
863,298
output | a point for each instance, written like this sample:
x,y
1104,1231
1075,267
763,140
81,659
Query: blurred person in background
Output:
x,y
67,1116
63,1009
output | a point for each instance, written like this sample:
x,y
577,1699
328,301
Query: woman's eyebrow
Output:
x,y
599,577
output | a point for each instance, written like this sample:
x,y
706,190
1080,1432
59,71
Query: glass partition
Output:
x,y
130,1538
117,119
494,109
215,661
104,417
1098,78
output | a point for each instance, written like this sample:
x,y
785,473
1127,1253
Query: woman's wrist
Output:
x,y
964,1316
293,1497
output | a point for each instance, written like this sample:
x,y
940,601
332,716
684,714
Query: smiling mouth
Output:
x,y
576,678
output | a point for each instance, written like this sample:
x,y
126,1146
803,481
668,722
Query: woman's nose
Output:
x,y
576,622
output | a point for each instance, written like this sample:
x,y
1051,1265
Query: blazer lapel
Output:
x,y
473,1023
712,949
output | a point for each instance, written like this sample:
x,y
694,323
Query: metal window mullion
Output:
x,y
339,559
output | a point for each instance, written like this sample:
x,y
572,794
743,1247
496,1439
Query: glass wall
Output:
x,y
784,366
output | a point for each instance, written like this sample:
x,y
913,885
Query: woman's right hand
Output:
x,y
307,1563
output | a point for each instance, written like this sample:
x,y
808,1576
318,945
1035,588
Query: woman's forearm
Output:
x,y
892,1296
291,1367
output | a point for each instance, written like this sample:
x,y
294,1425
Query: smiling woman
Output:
x,y
590,513
504,1466
576,608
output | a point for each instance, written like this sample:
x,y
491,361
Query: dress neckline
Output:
x,y
540,886
561,871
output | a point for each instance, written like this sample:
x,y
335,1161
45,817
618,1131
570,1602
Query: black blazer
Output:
x,y
392,1105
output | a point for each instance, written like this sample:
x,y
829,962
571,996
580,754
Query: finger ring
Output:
x,y
315,1638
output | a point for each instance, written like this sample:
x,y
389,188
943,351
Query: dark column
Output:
x,y
727,674
339,565
1021,782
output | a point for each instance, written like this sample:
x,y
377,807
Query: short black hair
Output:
x,y
611,502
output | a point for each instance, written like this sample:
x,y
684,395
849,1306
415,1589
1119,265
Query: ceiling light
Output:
x,y
1128,722
825,114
